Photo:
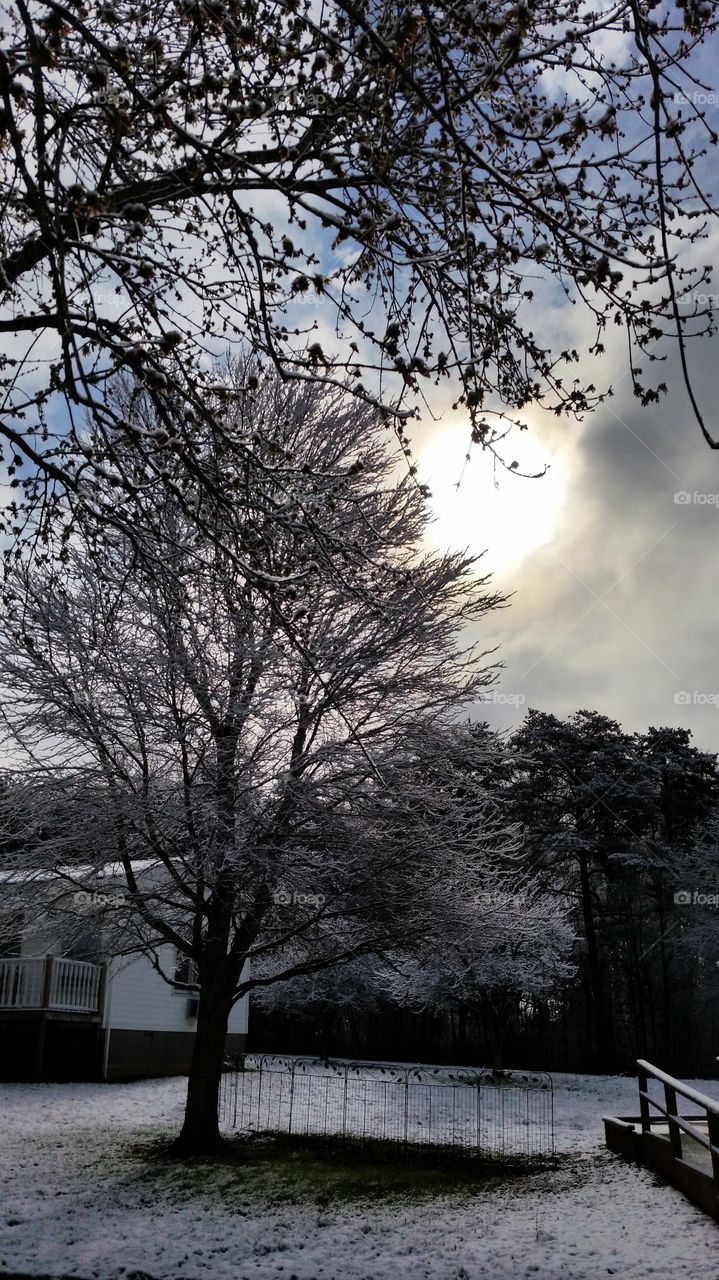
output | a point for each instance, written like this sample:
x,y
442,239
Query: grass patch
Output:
x,y
323,1171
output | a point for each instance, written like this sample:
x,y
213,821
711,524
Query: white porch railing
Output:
x,y
21,983
70,986
75,986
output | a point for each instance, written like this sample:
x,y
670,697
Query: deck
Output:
x,y
681,1142
32,986
51,1011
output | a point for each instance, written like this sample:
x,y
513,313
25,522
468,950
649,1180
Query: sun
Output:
x,y
480,506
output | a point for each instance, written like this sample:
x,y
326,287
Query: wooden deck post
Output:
x,y
39,1064
102,1031
39,1056
47,982
713,1127
102,989
643,1104
675,1136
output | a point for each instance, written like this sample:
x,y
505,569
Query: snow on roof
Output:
x,y
111,871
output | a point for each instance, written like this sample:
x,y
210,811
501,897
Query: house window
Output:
x,y
84,945
185,971
11,935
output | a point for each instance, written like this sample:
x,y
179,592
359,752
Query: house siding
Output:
x,y
140,1000
149,1032
134,1055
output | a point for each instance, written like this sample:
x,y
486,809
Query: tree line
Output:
x,y
619,847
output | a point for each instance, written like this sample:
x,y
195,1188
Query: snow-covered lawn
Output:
x,y
79,1196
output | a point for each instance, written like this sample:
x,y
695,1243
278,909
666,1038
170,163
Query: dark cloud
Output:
x,y
620,611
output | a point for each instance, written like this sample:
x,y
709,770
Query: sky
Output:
x,y
611,558
613,579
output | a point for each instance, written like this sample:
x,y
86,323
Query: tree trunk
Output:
x,y
200,1133
605,1047
496,1046
462,1033
668,1032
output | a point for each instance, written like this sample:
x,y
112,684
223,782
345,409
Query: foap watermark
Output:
x,y
97,901
291,898
697,98
699,301
685,499
110,97
696,698
504,699
695,898
109,299
265,100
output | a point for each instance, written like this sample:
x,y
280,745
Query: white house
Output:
x,y
62,1018
115,1018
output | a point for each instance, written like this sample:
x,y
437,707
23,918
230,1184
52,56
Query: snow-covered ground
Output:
x,y
79,1197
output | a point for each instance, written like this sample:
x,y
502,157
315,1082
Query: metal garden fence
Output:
x,y
494,1114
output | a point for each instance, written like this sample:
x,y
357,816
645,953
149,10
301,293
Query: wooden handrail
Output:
x,y
686,1091
672,1087
681,1121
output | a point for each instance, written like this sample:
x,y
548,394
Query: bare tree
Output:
x,y
373,194
252,760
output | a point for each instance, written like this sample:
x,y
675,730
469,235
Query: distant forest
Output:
x,y
621,831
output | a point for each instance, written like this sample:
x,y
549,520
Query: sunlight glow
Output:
x,y
492,510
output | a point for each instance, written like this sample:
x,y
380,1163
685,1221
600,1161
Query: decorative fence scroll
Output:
x,y
495,1114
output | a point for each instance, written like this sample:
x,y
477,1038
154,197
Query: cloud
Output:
x,y
619,610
